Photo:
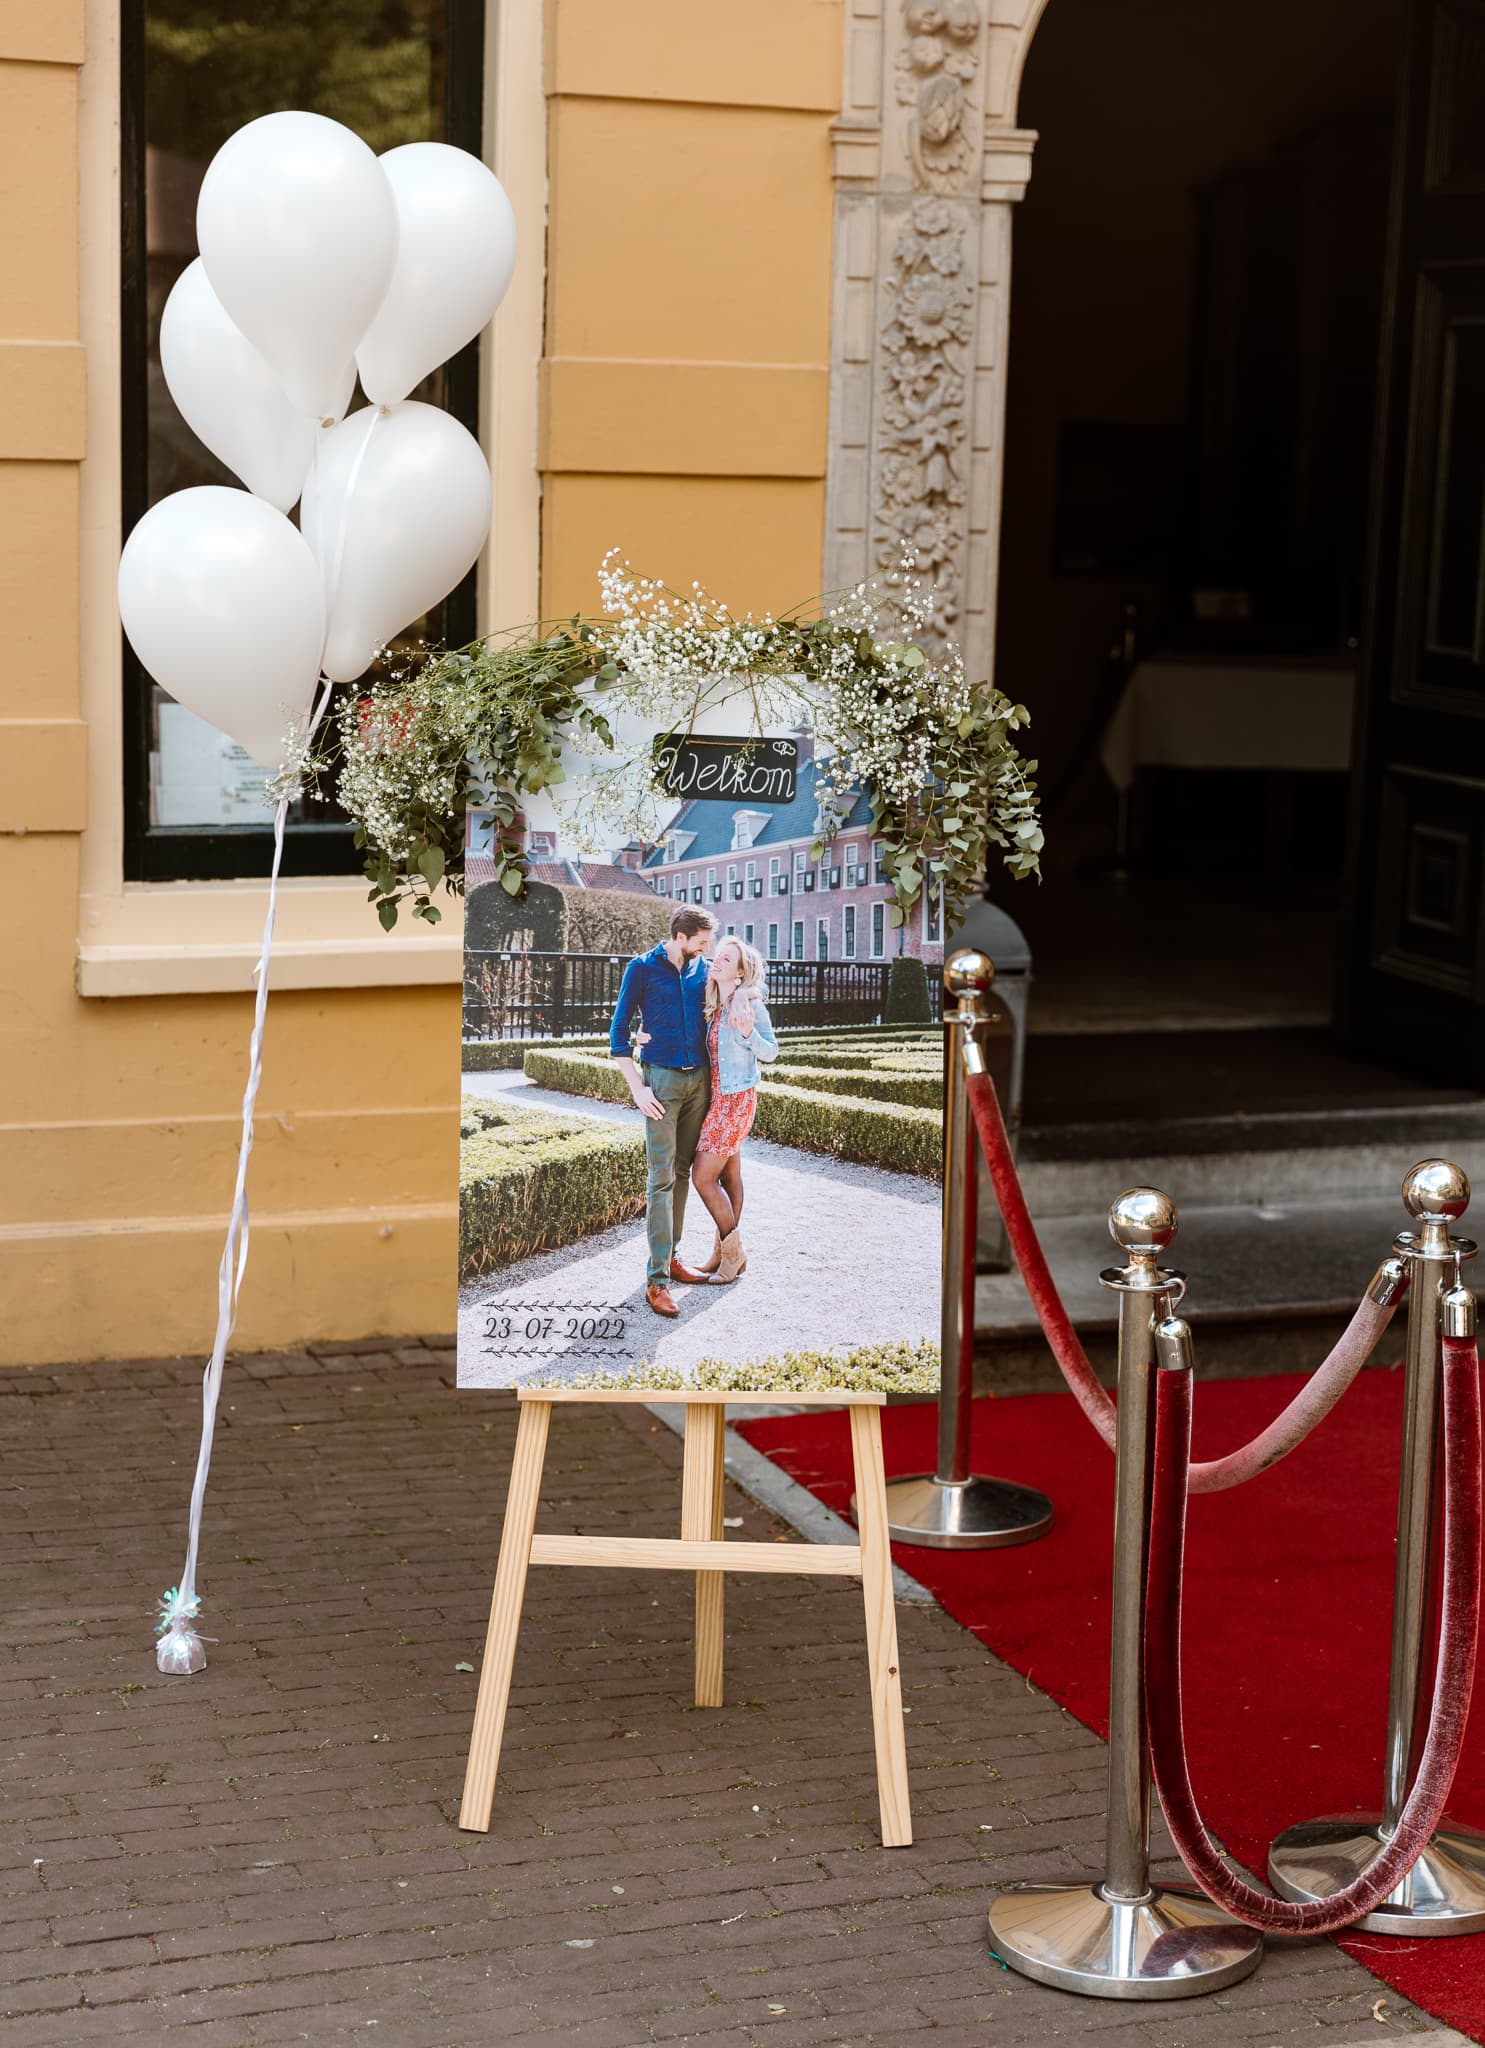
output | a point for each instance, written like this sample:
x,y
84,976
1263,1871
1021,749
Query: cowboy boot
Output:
x,y
732,1261
711,1264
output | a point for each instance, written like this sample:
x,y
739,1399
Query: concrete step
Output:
x,y
1277,1158
1269,1287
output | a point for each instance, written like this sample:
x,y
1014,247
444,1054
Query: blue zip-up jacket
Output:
x,y
670,1001
738,1055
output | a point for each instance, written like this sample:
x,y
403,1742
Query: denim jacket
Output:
x,y
738,1057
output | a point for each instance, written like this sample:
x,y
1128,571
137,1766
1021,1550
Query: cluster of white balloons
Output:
x,y
318,260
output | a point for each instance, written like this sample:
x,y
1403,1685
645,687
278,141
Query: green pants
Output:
x,y
670,1146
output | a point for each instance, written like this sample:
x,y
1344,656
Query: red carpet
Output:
x,y
1289,1597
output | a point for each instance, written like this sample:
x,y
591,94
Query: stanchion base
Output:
x,y
1444,1894
1173,1944
976,1514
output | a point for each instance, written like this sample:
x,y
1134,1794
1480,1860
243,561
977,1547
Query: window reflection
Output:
x,y
203,69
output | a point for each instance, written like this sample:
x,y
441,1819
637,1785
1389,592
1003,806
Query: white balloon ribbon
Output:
x,y
181,1646
299,230
180,1649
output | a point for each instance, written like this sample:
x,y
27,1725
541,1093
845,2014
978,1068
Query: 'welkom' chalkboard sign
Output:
x,y
714,768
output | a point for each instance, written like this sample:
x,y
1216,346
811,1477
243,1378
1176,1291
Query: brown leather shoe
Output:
x,y
687,1275
661,1300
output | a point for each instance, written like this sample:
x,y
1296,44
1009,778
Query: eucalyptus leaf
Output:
x,y
488,725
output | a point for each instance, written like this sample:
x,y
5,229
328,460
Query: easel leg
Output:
x,y
505,1615
701,1521
881,1627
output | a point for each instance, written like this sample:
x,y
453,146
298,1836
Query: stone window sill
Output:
x,y
202,938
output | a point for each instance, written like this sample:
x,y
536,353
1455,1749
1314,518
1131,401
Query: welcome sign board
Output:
x,y
691,1134
702,768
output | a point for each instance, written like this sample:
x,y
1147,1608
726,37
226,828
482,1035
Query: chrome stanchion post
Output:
x,y
954,1507
1124,1937
1445,1891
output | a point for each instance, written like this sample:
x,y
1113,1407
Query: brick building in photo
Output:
x,y
545,862
755,871
752,868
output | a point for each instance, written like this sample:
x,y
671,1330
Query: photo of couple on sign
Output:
x,y
702,1088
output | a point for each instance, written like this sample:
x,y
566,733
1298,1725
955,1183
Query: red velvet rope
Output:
x,y
1289,1428
1453,1675
1056,1324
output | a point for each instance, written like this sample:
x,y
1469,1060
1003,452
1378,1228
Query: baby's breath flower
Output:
x,y
488,724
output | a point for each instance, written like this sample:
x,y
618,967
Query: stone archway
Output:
x,y
928,164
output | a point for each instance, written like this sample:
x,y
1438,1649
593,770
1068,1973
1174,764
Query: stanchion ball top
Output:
x,y
1436,1187
968,972
1143,1220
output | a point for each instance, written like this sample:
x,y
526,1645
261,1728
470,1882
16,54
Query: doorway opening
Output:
x,y
1221,401
1197,310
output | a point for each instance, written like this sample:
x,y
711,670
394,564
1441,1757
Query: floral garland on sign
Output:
x,y
487,725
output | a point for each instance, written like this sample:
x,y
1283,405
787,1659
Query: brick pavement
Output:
x,y
267,1853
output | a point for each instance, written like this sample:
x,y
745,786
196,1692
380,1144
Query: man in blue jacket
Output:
x,y
671,1085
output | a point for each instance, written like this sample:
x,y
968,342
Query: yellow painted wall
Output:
x,y
688,298
683,418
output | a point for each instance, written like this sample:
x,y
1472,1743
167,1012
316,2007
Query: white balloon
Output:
x,y
397,510
297,228
223,603
455,255
228,396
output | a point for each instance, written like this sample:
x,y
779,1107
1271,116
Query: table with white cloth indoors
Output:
x,y
1200,711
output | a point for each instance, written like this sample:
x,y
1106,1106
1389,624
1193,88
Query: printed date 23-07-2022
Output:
x,y
556,1323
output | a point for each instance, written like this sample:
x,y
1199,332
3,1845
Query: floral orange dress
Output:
x,y
730,1117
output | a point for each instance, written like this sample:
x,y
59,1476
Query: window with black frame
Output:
x,y
193,72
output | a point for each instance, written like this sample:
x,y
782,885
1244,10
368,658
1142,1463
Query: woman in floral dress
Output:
x,y
738,1035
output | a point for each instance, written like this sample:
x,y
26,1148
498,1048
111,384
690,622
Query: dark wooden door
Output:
x,y
1413,938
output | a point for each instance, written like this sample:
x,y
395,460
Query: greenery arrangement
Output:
x,y
895,717
876,1368
531,1182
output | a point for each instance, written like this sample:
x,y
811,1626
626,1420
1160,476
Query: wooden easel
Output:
x,y
699,1549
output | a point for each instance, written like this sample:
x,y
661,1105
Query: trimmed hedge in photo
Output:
x,y
550,918
575,1073
890,1134
924,1090
530,1181
851,1033
901,1137
822,1058
846,1045
907,992
497,1055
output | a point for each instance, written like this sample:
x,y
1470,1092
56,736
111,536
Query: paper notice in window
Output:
x,y
200,777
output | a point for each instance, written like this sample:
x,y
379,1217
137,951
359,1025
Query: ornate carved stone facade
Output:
x,y
936,70
927,165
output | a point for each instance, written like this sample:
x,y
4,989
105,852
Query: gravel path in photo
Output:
x,y
839,1256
